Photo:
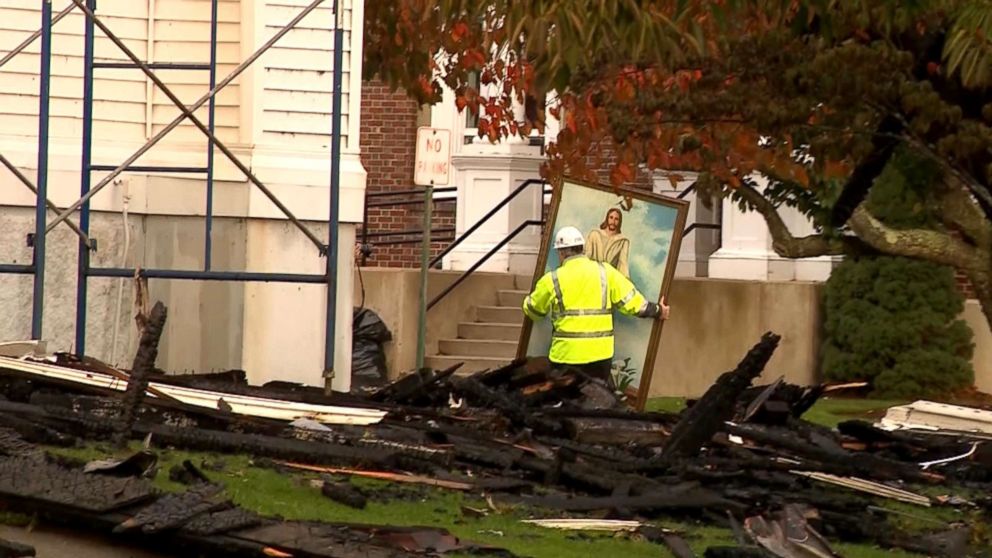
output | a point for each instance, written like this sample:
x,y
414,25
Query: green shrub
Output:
x,y
894,322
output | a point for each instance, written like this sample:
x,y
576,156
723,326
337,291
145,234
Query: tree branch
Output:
x,y
959,209
977,189
861,180
915,243
783,241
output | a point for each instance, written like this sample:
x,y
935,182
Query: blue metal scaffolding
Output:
x,y
88,190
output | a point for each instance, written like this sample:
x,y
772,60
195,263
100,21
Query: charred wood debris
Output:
x,y
740,456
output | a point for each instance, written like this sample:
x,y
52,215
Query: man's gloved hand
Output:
x,y
652,310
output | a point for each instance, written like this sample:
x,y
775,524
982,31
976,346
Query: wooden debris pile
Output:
x,y
198,522
740,456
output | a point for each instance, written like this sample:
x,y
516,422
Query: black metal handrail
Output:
x,y
407,202
709,226
465,275
516,191
366,248
390,193
409,232
414,240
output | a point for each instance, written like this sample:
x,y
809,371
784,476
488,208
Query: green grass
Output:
x,y
295,496
831,411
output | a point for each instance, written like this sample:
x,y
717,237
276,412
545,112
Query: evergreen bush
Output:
x,y
894,322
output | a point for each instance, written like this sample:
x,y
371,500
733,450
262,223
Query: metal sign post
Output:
x,y
432,167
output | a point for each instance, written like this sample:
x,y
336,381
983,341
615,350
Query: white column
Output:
x,y
663,184
485,174
284,323
483,182
746,248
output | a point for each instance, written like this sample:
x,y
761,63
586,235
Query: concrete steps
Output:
x,y
498,314
490,331
490,341
514,299
477,347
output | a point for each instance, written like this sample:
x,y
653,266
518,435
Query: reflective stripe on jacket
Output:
x,y
580,297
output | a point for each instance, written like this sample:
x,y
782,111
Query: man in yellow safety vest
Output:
x,y
580,296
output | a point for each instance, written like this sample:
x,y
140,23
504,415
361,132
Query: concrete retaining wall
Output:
x,y
714,322
275,331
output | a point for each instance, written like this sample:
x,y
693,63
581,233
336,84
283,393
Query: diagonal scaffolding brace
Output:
x,y
187,112
51,205
34,36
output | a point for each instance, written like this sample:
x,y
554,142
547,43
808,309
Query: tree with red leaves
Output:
x,y
813,96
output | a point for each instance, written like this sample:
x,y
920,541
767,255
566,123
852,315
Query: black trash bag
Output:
x,y
368,360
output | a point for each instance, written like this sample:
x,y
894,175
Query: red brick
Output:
x,y
389,130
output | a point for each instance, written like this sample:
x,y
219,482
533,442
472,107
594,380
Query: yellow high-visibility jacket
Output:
x,y
580,296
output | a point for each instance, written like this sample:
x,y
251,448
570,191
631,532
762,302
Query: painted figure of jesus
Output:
x,y
608,244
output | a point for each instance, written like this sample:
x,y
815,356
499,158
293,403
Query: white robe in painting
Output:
x,y
614,250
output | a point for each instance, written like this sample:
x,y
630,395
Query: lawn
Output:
x,y
260,487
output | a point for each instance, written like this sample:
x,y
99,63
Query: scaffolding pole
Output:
x,y
40,214
88,190
330,331
83,256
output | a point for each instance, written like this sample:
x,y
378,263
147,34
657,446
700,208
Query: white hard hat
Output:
x,y
568,237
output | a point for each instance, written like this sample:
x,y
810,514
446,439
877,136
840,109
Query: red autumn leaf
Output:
x,y
458,31
616,178
570,122
835,169
626,171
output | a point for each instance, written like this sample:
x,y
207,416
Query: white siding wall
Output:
x,y
276,116
118,106
181,33
298,76
127,106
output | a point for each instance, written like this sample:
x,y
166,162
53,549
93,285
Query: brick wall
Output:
x,y
388,143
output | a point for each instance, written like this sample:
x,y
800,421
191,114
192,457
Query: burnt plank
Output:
x,y
172,510
615,432
344,493
222,521
319,540
685,496
717,405
54,485
12,549
142,367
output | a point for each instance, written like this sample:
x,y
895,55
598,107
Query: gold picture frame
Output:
x,y
654,226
